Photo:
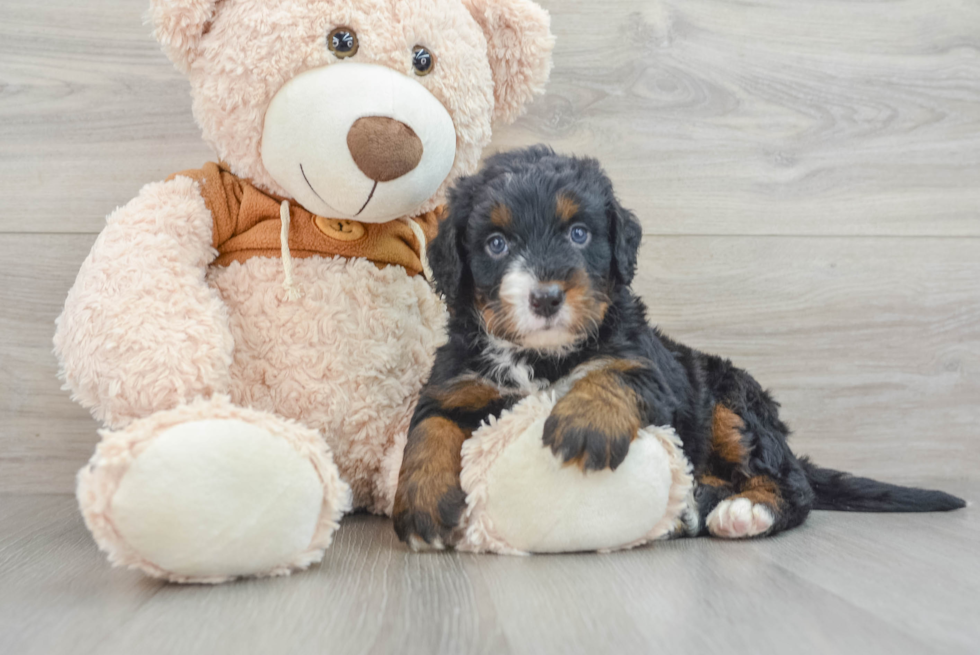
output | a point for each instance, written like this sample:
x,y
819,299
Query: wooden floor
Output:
x,y
843,583
808,177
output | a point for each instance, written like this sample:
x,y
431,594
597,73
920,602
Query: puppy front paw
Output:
x,y
592,439
595,422
428,510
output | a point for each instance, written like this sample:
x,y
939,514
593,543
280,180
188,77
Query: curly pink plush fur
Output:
x,y
491,62
150,326
118,450
348,358
141,330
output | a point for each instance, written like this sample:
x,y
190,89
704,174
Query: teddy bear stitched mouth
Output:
x,y
363,207
384,149
370,195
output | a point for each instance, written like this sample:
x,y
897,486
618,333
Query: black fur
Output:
x,y
674,384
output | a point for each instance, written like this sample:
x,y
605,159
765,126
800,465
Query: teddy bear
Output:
x,y
522,499
252,334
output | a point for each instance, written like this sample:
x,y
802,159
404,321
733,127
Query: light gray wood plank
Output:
x,y
842,583
774,117
44,437
370,595
57,594
91,110
713,117
716,120
922,562
684,597
872,345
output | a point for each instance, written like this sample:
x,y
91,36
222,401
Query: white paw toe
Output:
x,y
418,544
737,518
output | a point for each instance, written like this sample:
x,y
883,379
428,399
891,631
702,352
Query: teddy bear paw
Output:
x,y
212,499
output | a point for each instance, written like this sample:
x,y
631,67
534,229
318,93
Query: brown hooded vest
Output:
x,y
247,224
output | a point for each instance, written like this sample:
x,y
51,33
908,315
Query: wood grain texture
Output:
x,y
44,437
807,176
871,344
713,116
773,116
840,584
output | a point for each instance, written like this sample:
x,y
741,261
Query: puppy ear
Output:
x,y
447,254
179,25
624,236
519,44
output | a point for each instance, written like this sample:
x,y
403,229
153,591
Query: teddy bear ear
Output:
x,y
519,43
179,25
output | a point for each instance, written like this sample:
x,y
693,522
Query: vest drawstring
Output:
x,y
420,237
293,292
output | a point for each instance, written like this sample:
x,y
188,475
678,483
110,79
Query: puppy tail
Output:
x,y
843,492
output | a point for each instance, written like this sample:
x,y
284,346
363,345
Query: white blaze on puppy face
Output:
x,y
533,331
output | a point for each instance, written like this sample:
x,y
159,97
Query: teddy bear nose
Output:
x,y
383,148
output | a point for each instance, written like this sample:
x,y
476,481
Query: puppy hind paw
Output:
x,y
418,544
739,518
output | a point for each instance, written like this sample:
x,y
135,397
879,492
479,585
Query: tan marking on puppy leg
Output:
x,y
726,436
595,422
429,480
624,365
761,489
713,481
749,513
466,393
566,207
501,216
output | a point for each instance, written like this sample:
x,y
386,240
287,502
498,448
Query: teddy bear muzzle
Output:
x,y
374,157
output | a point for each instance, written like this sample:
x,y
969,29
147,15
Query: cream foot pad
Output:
x,y
209,491
521,499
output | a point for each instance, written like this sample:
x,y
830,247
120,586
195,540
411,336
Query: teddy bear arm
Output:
x,y
141,329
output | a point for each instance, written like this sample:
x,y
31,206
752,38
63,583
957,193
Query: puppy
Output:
x,y
535,260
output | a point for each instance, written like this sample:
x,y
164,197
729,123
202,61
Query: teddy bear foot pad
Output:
x,y
209,492
521,499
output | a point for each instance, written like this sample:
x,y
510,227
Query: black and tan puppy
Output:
x,y
535,260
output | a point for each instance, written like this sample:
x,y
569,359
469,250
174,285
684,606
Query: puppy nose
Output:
x,y
383,148
546,300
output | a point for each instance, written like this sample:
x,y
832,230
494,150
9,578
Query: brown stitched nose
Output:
x,y
547,299
383,148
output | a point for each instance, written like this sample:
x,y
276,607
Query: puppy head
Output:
x,y
535,245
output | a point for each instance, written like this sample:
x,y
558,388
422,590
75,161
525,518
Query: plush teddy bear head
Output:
x,y
363,109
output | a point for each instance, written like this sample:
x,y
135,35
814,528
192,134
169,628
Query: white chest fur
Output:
x,y
509,369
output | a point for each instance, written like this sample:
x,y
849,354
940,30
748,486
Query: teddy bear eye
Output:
x,y
342,42
422,60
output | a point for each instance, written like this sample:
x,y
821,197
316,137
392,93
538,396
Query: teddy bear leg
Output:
x,y
209,491
522,499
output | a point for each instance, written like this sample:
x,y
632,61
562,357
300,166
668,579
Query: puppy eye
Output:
x,y
579,235
496,246
423,61
342,42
